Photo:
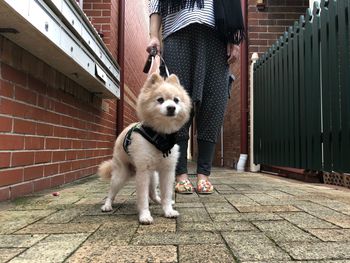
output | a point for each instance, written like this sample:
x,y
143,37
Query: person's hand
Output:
x,y
232,53
154,42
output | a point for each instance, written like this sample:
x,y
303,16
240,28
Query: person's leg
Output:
x,y
210,113
178,57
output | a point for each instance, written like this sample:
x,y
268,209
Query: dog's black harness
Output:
x,y
163,142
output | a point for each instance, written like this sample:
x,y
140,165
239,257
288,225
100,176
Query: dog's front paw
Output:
x,y
106,208
146,219
171,213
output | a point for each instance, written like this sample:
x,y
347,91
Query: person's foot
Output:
x,y
183,184
204,186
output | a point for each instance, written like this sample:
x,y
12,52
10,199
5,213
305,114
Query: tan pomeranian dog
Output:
x,y
147,149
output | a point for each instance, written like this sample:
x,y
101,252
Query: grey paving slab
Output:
x,y
8,253
317,250
240,200
69,228
114,233
158,254
331,234
283,231
217,226
266,208
55,248
306,221
177,238
205,253
11,221
214,208
244,217
250,218
193,215
19,241
253,246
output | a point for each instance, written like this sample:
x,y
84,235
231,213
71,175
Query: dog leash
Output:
x,y
150,61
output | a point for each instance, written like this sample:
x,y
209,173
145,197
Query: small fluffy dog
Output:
x,y
147,149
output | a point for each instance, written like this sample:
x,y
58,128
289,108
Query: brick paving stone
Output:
x,y
188,205
218,226
204,253
331,234
283,231
308,261
64,216
214,208
244,217
187,198
193,215
240,200
68,228
164,254
19,241
266,208
213,198
7,253
54,248
250,218
317,250
180,238
278,194
264,199
158,227
105,218
11,221
114,233
253,246
304,220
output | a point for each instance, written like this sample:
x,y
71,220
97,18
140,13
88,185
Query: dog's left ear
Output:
x,y
154,78
173,79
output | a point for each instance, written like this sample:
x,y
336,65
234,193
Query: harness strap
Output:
x,y
163,142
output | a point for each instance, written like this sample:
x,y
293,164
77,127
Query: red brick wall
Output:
x,y
51,132
104,16
268,25
136,39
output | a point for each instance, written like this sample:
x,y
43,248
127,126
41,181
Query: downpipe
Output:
x,y
244,95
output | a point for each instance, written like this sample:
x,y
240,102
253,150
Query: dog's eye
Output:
x,y
176,100
160,100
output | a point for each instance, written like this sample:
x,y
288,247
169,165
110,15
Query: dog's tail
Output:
x,y
105,170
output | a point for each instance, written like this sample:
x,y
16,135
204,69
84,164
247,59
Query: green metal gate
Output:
x,y
302,93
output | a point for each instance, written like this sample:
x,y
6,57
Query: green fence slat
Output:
x,y
308,87
303,151
334,82
291,113
280,101
344,72
316,151
326,93
296,95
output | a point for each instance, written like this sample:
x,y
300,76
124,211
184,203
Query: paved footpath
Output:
x,y
250,218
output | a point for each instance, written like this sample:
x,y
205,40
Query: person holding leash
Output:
x,y
200,41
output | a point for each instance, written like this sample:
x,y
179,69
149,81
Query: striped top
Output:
x,y
174,22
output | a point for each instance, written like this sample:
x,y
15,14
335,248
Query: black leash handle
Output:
x,y
151,57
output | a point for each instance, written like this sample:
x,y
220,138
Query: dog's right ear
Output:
x,y
154,78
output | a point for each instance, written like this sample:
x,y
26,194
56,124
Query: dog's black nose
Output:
x,y
170,110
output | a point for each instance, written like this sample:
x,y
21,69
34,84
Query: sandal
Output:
x,y
184,187
204,187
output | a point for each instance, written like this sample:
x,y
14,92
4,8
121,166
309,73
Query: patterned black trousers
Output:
x,y
198,57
